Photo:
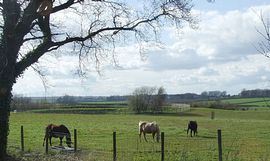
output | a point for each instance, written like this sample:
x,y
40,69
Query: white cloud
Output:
x,y
220,55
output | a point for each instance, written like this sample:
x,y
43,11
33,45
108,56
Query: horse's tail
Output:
x,y
47,132
44,140
158,132
141,124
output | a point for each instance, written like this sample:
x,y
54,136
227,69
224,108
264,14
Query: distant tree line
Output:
x,y
151,96
255,93
23,103
66,99
19,102
214,94
189,97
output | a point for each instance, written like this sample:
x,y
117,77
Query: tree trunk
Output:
x,y
10,43
5,99
7,79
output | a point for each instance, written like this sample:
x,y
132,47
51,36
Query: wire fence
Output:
x,y
129,147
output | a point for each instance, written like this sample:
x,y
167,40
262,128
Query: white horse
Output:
x,y
149,128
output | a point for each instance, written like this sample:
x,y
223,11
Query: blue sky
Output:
x,y
219,55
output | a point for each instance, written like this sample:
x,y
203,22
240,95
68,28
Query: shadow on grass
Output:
x,y
12,158
40,157
208,137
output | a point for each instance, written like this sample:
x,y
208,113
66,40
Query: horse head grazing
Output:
x,y
67,135
68,141
149,128
60,132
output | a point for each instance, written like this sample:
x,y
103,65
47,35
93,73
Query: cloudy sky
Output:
x,y
219,55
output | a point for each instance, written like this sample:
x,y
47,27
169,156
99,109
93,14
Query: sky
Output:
x,y
219,55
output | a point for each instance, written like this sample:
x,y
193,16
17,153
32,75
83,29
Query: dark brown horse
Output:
x,y
150,128
60,132
193,127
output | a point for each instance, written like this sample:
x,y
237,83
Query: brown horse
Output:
x,y
193,127
60,132
149,128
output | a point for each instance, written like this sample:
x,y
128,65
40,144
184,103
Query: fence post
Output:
x,y
75,140
219,145
114,146
22,139
162,146
47,145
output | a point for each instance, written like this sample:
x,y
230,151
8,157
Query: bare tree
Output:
x,y
160,98
264,45
145,99
141,99
29,29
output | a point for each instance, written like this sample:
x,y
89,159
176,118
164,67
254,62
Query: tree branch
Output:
x,y
44,25
33,38
63,6
26,23
264,45
32,57
127,27
30,14
50,45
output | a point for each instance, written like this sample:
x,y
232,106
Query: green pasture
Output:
x,y
245,135
123,103
84,110
250,102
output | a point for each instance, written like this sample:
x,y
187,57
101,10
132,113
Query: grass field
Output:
x,y
245,135
249,102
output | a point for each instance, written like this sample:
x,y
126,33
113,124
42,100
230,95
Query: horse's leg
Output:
x,y
153,134
44,140
144,137
50,138
191,132
140,134
60,140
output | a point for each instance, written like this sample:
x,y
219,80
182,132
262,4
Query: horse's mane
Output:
x,y
63,126
49,127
